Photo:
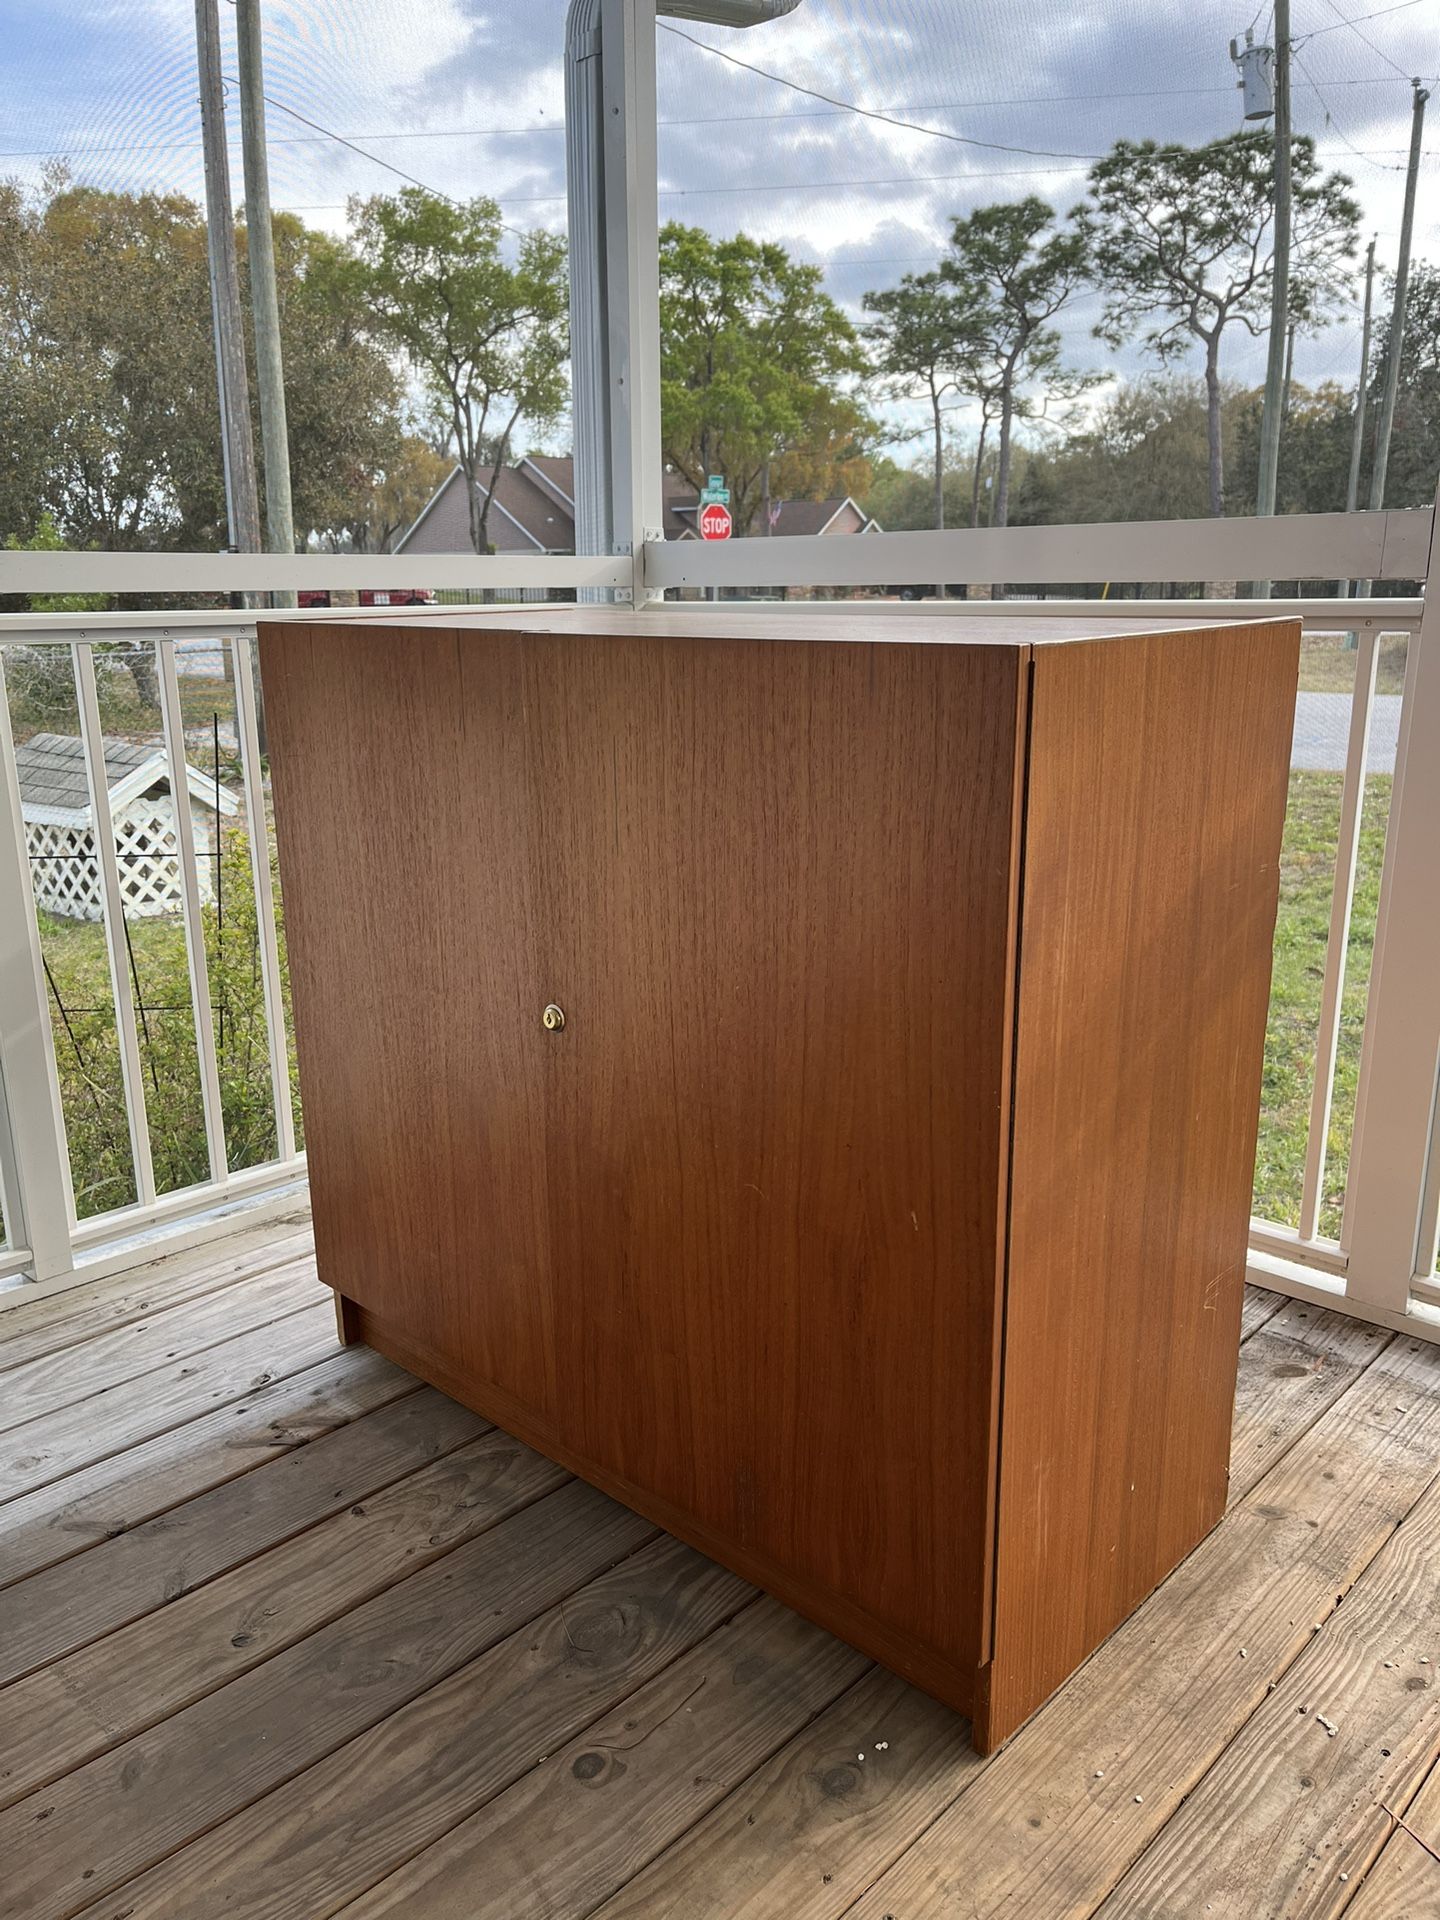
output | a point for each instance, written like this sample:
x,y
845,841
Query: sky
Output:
x,y
468,97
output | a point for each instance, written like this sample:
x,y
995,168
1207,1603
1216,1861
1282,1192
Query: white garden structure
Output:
x,y
60,826
1381,1263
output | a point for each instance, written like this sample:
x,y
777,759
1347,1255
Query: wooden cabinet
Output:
x,y
876,1219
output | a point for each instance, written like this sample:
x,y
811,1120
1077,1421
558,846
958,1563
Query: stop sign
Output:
x,y
715,521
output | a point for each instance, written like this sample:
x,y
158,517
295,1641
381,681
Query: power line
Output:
x,y
1339,131
72,150
1344,20
872,113
375,160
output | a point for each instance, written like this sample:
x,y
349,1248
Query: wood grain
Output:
x,y
810,1830
89,1702
31,1329
118,1815
1259,1306
1299,1363
59,1443
125,1489
561,1839
52,1613
56,1380
1291,1806
1154,807
783,1062
1404,1884
314,1845
1052,1823
805,1840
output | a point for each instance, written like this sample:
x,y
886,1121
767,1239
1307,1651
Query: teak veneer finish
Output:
x,y
877,1220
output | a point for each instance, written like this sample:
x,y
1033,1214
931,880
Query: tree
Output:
x,y
107,371
342,393
106,339
924,339
1181,236
1012,270
489,339
1415,448
393,497
756,366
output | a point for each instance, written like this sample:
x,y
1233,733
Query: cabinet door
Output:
x,y
404,817
775,911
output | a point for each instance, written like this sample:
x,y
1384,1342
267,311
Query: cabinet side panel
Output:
x,y
1156,799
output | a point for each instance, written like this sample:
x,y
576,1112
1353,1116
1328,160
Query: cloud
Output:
x,y
469,97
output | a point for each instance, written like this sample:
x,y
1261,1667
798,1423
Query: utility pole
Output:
x,y
1352,485
1270,419
237,447
1289,379
1357,440
264,301
1397,311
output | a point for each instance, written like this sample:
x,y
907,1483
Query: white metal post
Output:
x,y
1342,901
190,898
632,279
38,1197
1400,1055
264,896
102,830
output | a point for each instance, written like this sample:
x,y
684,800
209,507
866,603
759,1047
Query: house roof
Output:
x,y
556,473
55,790
815,516
534,510
542,518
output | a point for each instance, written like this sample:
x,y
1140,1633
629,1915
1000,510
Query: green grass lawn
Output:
x,y
87,1049
1328,667
1307,868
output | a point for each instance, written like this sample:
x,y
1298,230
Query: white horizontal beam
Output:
x,y
294,572
1321,615
1315,546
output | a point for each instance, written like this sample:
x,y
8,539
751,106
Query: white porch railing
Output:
x,y
1379,1264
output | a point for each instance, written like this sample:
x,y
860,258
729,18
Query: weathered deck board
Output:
x,y
810,1830
319,1724
119,1814
67,1713
303,1852
1404,1884
1296,1365
1059,1815
30,1329
51,1614
124,1490
57,1443
1258,1306
61,1379
573,1830
1300,1796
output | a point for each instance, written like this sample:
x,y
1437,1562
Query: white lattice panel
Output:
x,y
66,876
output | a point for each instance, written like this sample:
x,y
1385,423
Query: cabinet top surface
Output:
x,y
883,625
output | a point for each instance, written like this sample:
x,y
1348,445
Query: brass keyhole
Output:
x,y
553,1018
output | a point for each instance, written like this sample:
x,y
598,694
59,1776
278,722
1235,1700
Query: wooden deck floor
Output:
x,y
285,1633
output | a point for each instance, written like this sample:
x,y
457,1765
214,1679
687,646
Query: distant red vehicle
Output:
x,y
372,597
